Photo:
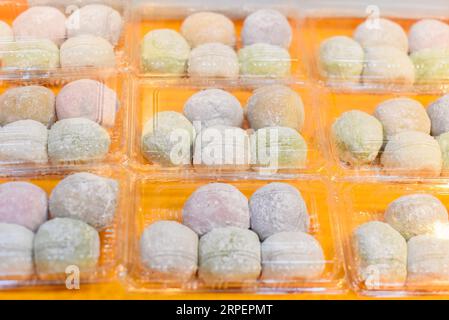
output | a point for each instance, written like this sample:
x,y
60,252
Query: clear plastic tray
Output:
x,y
163,200
111,247
363,201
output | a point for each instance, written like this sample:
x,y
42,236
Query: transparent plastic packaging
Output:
x,y
150,99
107,93
367,201
146,17
376,152
110,245
164,200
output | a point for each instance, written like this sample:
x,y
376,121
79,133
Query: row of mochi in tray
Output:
x,y
79,207
75,118
212,122
205,47
380,50
220,216
399,131
86,38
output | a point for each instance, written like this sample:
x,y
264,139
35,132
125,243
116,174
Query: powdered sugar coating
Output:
x,y
23,141
88,99
275,105
431,65
388,64
341,57
212,107
291,255
63,242
167,139
438,112
30,55
380,253
229,255
262,59
428,260
357,137
428,34
164,51
96,19
402,114
87,51
413,152
278,207
222,147
77,139
40,22
215,205
206,27
267,26
86,197
28,103
6,33
169,249
443,141
16,250
415,214
381,32
213,60
23,203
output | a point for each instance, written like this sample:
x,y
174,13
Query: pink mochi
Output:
x,y
24,204
88,99
216,205
40,23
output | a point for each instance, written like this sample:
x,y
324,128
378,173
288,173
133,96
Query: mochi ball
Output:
x,y
229,255
402,114
86,197
414,153
167,139
275,106
206,27
428,260
262,59
381,32
380,254
222,147
63,242
23,203
213,107
431,65
98,20
169,250
30,102
30,55
88,99
416,214
266,26
77,139
23,141
87,51
341,58
428,34
6,33
64,4
275,148
16,250
213,60
290,256
438,112
388,64
357,137
215,205
42,22
278,207
164,51
443,141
